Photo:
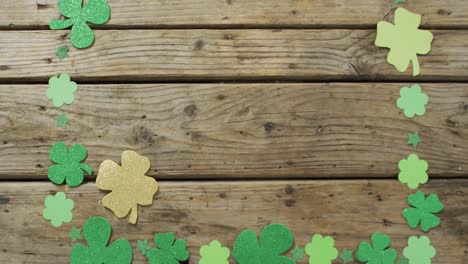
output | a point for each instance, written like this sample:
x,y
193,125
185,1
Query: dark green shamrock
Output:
x,y
94,11
423,211
168,251
275,240
378,252
97,232
69,166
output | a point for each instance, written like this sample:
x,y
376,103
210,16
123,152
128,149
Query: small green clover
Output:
x,y
413,171
404,40
423,211
62,52
94,11
143,246
214,254
69,167
297,253
58,209
97,232
378,253
61,90
275,240
321,250
346,256
419,250
169,251
412,101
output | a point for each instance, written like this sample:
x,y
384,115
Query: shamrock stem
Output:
x,y
415,62
133,215
60,24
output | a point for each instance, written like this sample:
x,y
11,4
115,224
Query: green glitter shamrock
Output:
x,y
321,250
413,139
75,234
214,254
423,211
58,209
62,52
412,101
413,171
62,121
297,253
419,250
94,11
275,240
69,167
143,246
378,253
404,40
97,232
346,256
169,251
61,90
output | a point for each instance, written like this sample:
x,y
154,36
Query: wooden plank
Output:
x,y
239,130
176,55
243,13
203,211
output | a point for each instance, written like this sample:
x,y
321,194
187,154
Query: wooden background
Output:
x,y
251,112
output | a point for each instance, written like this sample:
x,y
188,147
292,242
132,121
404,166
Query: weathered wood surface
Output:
x,y
239,130
243,13
202,211
190,55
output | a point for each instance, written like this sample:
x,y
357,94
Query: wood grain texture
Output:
x,y
214,55
243,13
239,130
199,212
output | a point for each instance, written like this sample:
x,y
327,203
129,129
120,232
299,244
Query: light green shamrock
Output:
x,y
419,250
94,11
404,40
214,254
423,211
58,209
378,253
61,90
321,250
412,101
413,171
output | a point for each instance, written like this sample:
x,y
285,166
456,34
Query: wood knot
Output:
x,y
269,126
190,110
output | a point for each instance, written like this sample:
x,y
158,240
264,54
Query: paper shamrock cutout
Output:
x,y
58,209
404,40
412,101
128,184
97,232
168,251
346,256
423,211
143,246
214,254
94,11
413,171
62,52
61,90
378,252
419,250
75,234
62,121
275,240
68,165
297,253
321,250
413,139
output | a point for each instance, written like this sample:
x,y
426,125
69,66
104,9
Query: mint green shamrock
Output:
x,y
169,251
413,171
275,240
346,256
378,253
69,167
62,52
419,250
97,232
58,209
61,90
412,101
404,40
214,254
423,211
297,253
321,250
94,11
143,246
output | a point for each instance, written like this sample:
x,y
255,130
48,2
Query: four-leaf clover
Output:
x,y
419,250
321,250
275,240
404,40
214,254
413,171
95,11
423,211
69,167
412,101
168,251
378,252
97,232
61,90
58,209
